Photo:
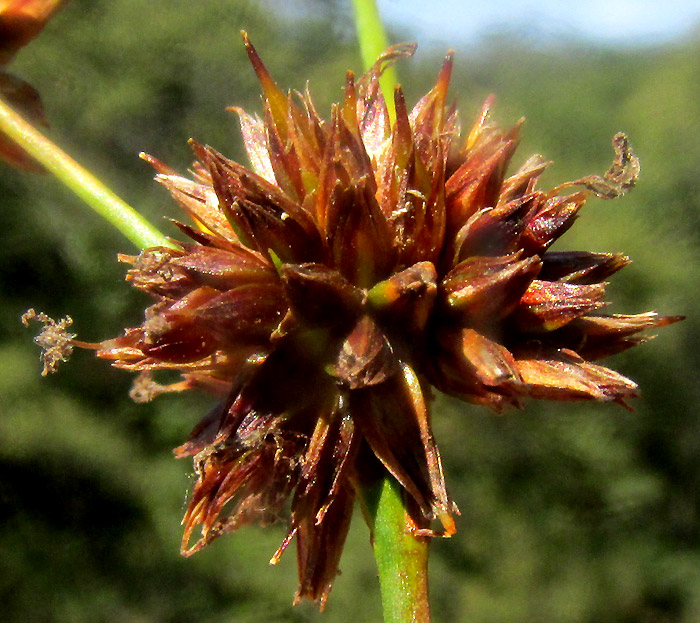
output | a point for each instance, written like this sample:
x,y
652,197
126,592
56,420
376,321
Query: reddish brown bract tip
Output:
x,y
20,22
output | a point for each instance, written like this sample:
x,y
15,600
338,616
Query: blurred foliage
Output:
x,y
570,513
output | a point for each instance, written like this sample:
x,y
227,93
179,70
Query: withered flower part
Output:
x,y
355,265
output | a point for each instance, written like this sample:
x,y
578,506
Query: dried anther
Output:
x,y
145,388
55,341
325,291
619,178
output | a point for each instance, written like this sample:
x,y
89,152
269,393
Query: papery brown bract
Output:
x,y
355,266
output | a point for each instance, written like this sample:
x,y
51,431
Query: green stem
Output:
x,y
93,192
402,558
373,41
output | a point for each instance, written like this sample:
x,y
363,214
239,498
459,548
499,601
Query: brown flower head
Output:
x,y
327,288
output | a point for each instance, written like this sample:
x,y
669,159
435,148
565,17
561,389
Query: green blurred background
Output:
x,y
570,513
